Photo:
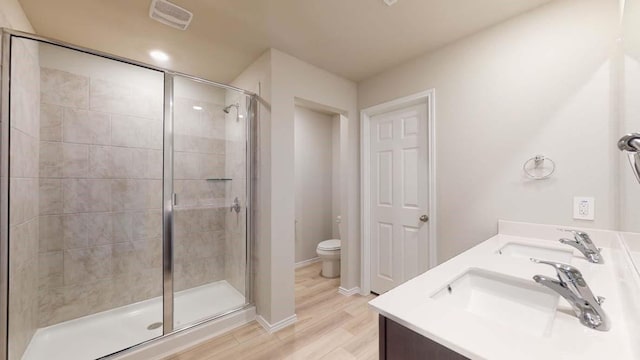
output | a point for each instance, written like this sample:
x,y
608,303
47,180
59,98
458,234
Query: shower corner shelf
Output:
x,y
219,179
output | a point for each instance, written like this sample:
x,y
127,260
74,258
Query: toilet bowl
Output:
x,y
329,253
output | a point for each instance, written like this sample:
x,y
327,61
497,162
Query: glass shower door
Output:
x,y
210,200
125,199
85,203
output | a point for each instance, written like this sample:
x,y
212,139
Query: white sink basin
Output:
x,y
538,252
515,303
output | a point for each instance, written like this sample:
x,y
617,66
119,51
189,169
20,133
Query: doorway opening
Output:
x,y
317,201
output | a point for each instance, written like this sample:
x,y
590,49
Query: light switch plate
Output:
x,y
584,208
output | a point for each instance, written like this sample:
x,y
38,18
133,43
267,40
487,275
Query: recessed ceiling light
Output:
x,y
390,2
159,55
196,107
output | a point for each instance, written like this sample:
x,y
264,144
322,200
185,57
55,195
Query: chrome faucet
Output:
x,y
572,286
583,243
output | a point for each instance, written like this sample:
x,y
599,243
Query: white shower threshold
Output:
x,y
101,334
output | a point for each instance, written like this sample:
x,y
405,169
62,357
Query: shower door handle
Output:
x,y
235,206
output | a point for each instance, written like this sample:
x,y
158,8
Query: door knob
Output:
x,y
424,218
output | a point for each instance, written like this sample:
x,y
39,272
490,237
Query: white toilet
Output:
x,y
329,253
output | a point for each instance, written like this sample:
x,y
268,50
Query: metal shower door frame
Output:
x,y
168,211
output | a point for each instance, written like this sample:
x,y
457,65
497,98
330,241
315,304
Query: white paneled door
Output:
x,y
399,196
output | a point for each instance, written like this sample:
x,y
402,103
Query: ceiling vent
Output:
x,y
170,14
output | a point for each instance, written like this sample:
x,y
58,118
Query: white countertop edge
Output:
x,y
480,256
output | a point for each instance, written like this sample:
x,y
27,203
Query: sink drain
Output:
x,y
154,326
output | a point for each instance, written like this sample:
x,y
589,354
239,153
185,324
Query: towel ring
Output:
x,y
538,164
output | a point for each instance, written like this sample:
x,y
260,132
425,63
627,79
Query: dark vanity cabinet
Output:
x,y
400,343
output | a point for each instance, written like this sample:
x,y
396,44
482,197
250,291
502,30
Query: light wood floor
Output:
x,y
330,326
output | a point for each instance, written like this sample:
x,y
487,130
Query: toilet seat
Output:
x,y
329,245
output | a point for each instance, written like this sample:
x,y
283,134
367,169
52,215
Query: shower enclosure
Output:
x,y
125,194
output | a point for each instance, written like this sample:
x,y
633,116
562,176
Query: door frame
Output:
x,y
426,98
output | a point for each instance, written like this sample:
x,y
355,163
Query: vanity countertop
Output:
x,y
411,304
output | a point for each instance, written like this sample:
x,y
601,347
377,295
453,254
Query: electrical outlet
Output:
x,y
584,208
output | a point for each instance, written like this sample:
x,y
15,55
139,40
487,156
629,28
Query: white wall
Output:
x,y
313,181
13,17
284,80
294,79
541,83
630,113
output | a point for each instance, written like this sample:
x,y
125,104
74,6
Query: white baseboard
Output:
x,y
307,262
271,328
349,292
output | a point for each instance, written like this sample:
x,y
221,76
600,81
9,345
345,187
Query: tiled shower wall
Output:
x,y
100,240
23,196
236,168
101,188
199,157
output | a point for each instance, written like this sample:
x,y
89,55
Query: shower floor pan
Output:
x,y
97,335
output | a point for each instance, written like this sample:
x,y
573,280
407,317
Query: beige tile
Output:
x,y
99,195
129,163
198,143
63,88
50,197
152,253
51,159
86,195
155,164
148,101
156,134
112,97
153,193
122,230
23,316
50,122
51,236
127,195
86,127
22,246
126,259
100,228
50,268
100,162
24,154
198,166
131,131
25,89
61,304
75,160
87,265
23,196
75,231
147,224
101,296
75,195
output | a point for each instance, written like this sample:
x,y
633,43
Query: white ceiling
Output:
x,y
351,38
